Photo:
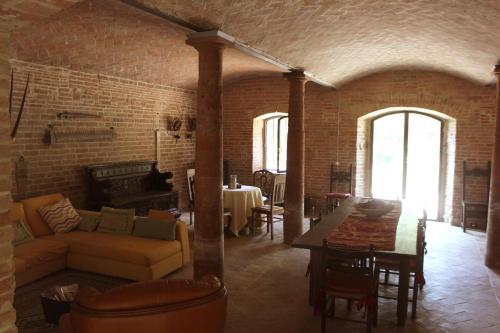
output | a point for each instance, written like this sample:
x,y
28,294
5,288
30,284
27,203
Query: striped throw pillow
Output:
x,y
61,216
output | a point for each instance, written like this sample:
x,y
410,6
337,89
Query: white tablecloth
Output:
x,y
240,202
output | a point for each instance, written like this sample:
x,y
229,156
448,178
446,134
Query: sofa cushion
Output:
x,y
116,221
33,218
21,233
151,228
89,223
40,250
125,248
60,216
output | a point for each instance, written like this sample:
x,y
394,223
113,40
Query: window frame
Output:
x,y
278,141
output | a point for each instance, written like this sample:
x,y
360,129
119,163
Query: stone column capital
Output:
x,y
296,75
496,69
209,39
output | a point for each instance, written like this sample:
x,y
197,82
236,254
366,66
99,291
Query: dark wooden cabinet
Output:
x,y
136,184
154,200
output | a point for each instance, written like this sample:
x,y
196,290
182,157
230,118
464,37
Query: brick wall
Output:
x,y
135,109
7,283
468,107
110,37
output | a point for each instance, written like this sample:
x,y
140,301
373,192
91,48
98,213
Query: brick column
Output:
x,y
294,190
208,226
7,283
492,258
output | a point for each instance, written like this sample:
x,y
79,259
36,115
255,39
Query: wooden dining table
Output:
x,y
405,249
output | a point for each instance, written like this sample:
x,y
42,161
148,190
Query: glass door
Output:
x,y
406,160
387,156
423,163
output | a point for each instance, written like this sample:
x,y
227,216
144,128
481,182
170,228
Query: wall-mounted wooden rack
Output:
x,y
78,135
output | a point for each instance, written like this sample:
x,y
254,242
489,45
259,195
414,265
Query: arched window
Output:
x,y
275,141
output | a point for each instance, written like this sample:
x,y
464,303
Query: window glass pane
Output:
x,y
422,180
388,150
283,134
271,143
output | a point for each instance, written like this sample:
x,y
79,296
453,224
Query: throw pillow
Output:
x,y
21,233
89,222
61,216
150,228
116,221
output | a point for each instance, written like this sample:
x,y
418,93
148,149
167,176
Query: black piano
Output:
x,y
135,184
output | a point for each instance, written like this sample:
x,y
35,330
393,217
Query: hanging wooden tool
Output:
x,y
21,108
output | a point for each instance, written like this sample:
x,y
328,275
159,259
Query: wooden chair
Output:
x,y
416,268
272,209
263,179
349,274
340,187
313,221
190,179
470,208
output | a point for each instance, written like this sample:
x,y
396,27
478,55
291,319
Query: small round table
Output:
x,y
240,202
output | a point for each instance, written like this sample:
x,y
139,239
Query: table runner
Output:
x,y
359,231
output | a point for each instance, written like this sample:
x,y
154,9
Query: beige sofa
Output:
x,y
124,256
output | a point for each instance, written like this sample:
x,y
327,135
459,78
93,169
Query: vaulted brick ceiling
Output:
x,y
17,13
112,38
344,39
335,40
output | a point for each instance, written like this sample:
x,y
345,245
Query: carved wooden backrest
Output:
x,y
263,179
340,180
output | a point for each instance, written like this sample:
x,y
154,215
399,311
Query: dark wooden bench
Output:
x,y
134,184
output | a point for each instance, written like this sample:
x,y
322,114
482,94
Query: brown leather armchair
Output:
x,y
151,306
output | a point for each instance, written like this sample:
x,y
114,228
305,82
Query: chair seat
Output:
x,y
347,284
265,209
337,195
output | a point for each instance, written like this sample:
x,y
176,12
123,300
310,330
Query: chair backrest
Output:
x,y
263,179
421,249
476,172
314,221
340,178
351,262
423,220
278,195
190,179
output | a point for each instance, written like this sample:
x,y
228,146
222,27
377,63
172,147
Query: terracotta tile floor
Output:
x,y
268,290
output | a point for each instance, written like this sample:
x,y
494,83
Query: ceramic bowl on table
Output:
x,y
374,208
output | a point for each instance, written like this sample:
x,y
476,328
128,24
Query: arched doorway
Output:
x,y
406,163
